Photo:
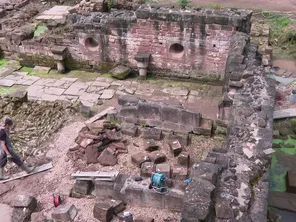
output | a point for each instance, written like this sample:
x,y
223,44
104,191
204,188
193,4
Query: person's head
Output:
x,y
8,123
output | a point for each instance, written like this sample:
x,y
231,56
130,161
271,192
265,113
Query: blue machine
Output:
x,y
158,183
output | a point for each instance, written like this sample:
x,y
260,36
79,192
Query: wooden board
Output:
x,y
23,174
105,176
99,115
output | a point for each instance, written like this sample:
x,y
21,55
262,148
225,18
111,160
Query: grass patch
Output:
x,y
3,62
8,90
40,28
26,69
214,6
282,34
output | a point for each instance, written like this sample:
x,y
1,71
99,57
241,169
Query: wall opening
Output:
x,y
176,50
91,44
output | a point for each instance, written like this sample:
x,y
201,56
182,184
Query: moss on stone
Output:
x,y
40,60
3,62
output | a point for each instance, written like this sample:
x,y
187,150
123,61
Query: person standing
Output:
x,y
7,152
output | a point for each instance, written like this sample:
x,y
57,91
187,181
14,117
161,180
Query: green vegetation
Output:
x,y
110,4
8,90
278,169
39,29
3,62
184,3
282,34
214,6
26,69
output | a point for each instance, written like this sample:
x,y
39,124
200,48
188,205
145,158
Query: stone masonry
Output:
x,y
232,180
191,44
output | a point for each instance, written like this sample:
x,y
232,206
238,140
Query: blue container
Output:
x,y
293,98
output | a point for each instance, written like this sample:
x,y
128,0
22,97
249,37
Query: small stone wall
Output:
x,y
161,115
231,183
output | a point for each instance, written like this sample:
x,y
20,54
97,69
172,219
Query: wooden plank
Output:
x,y
105,176
23,174
99,115
284,113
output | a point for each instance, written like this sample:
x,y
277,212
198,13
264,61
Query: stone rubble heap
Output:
x,y
35,121
98,142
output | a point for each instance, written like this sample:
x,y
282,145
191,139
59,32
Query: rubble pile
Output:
x,y
88,6
98,142
35,121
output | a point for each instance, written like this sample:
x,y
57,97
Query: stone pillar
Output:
x,y
143,60
59,54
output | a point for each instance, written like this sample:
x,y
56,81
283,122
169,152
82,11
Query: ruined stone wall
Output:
x,y
183,44
231,184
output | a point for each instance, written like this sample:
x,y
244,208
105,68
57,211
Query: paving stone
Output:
x,y
62,84
76,89
147,168
150,145
183,159
129,129
16,76
69,79
103,211
176,147
103,79
5,71
157,157
179,172
120,93
139,158
116,83
41,69
67,98
107,94
25,201
35,91
152,133
95,89
288,74
105,85
27,80
144,91
49,97
291,182
176,91
107,158
164,168
7,82
130,90
82,186
54,91
65,213
194,93
90,97
45,82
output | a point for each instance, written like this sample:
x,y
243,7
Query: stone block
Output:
x,y
104,189
173,200
126,100
223,209
149,111
206,171
21,215
157,157
120,72
152,133
183,159
205,128
139,158
103,211
171,114
152,199
134,196
92,154
183,138
65,213
291,182
129,129
164,168
176,147
150,145
107,158
190,119
147,168
179,172
282,200
38,217
24,201
82,186
118,206
129,111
